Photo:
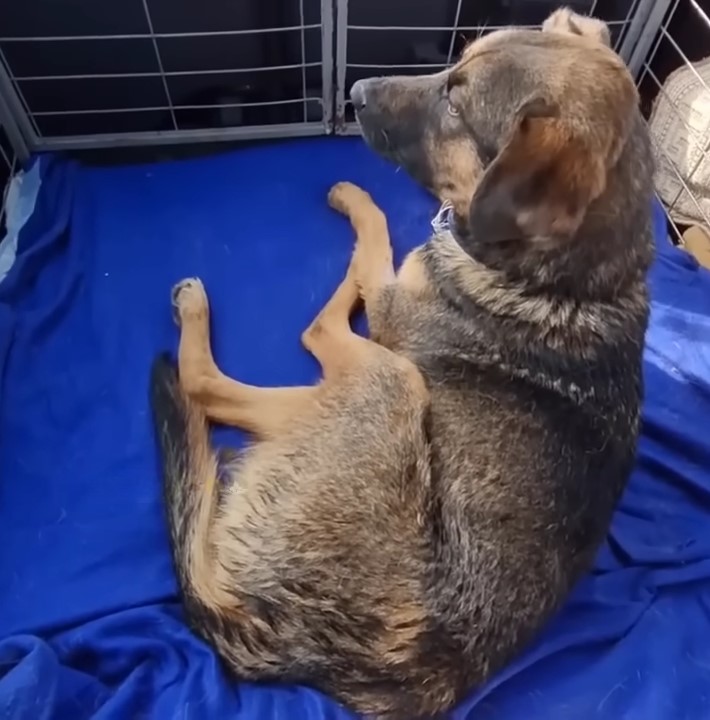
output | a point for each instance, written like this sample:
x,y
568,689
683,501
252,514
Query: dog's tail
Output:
x,y
190,486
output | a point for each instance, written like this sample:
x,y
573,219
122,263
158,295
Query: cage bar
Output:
x,y
198,101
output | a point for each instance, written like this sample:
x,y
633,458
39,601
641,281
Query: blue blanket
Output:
x,y
89,622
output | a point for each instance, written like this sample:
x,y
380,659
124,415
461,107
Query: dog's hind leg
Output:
x,y
264,412
330,333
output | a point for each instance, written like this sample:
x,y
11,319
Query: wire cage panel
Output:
x,y
164,71
94,75
7,168
382,39
155,71
665,42
674,82
13,149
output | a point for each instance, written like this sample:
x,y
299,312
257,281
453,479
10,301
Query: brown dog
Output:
x,y
398,532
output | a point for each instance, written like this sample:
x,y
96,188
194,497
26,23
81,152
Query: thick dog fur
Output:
x,y
399,532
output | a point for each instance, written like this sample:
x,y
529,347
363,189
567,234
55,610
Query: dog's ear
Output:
x,y
549,170
569,22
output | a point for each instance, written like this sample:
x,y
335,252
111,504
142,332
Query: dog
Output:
x,y
399,532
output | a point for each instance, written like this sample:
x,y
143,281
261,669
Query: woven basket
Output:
x,y
680,130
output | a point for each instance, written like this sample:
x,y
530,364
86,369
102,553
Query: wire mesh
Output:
x,y
377,39
7,168
168,70
674,82
87,74
666,42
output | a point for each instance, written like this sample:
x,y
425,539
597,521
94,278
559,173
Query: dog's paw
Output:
x,y
189,299
348,198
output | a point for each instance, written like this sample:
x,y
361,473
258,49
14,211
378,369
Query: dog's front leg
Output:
x,y
372,258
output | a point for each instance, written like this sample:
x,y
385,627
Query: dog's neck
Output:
x,y
556,320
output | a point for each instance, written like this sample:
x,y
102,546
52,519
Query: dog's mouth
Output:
x,y
377,138
402,149
380,141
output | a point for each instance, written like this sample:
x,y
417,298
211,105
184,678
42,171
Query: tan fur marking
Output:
x,y
406,624
265,412
199,561
413,277
569,176
331,327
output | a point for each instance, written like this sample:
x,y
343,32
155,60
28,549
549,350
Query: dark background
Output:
x,y
32,58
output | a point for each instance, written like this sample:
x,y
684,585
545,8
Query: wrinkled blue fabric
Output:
x,y
89,622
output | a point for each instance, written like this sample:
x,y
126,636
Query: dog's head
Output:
x,y
522,135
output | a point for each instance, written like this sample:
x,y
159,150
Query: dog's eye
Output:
x,y
452,110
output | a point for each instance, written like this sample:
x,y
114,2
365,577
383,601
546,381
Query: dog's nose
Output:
x,y
357,95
